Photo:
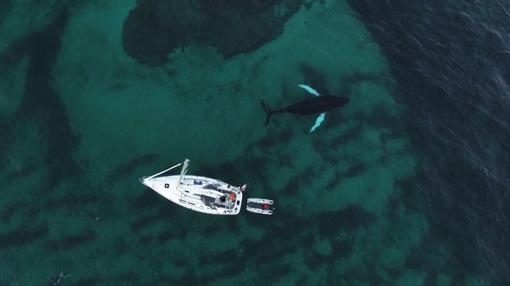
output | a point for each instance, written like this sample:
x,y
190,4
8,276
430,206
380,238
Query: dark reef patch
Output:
x,y
352,132
355,170
236,27
121,244
298,182
231,254
129,278
233,264
155,28
146,239
346,219
159,215
88,281
23,235
144,221
128,167
8,211
341,248
146,199
274,246
5,5
71,241
314,78
75,199
272,272
25,170
167,235
40,103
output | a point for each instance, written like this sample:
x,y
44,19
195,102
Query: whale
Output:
x,y
319,104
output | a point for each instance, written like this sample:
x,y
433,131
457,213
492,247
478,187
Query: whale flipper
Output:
x,y
318,121
309,89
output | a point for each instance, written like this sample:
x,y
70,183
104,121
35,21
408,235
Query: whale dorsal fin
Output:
x,y
309,89
318,121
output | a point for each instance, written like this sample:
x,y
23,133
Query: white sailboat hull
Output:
x,y
197,193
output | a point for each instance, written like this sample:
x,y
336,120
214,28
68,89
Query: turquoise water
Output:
x,y
79,130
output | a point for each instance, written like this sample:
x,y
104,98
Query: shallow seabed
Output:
x,y
82,122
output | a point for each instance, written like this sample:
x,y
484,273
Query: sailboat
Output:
x,y
197,193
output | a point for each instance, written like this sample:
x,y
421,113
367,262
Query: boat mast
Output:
x,y
184,170
166,170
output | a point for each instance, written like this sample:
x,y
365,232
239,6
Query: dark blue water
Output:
x,y
452,61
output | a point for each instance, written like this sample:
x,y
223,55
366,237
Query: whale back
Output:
x,y
316,105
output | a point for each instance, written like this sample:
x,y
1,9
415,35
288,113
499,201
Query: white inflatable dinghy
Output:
x,y
260,206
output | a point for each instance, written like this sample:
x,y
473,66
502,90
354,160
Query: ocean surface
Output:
x,y
406,185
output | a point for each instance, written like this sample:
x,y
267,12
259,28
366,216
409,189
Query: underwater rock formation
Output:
x,y
155,28
20,18
12,84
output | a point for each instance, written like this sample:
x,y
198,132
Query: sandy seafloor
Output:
x,y
77,208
